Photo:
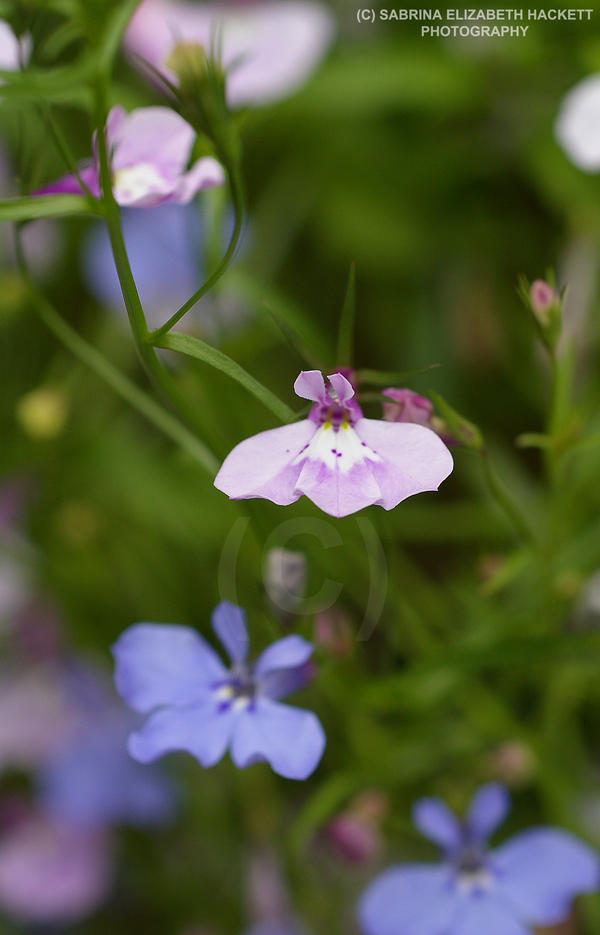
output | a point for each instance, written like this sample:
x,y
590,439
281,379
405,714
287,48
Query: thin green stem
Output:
x,y
554,416
503,500
121,384
150,359
235,184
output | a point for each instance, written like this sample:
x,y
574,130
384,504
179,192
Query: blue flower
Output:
x,y
198,705
530,880
91,780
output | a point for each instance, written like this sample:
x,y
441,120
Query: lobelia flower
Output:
x,y
577,126
268,48
528,881
407,406
13,51
196,704
149,150
338,459
52,873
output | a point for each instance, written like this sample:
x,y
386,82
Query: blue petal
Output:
x,y
435,821
412,900
540,872
290,739
488,809
204,730
282,682
484,914
229,624
94,782
158,664
288,653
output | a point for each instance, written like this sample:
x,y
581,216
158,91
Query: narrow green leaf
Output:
x,y
113,32
533,440
347,319
391,378
31,207
464,431
63,83
193,347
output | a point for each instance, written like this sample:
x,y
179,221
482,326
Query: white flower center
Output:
x,y
470,881
339,448
136,182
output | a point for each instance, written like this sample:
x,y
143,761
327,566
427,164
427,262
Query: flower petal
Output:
x,y
342,387
435,821
205,173
150,135
229,624
262,466
279,683
336,475
488,809
269,49
158,664
541,871
411,900
310,384
413,458
69,185
289,739
484,914
287,653
578,124
204,730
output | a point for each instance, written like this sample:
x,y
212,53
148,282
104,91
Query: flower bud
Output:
x,y
285,579
545,303
407,406
332,631
354,835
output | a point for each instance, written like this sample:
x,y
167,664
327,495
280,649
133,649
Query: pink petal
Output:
x,y
338,493
261,466
205,173
310,385
154,135
341,386
413,458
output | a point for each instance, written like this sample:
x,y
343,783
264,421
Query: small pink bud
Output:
x,y
332,631
542,296
354,836
407,407
513,763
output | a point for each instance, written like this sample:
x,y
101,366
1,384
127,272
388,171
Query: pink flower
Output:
x,y
150,150
52,872
12,50
542,296
269,48
338,459
408,407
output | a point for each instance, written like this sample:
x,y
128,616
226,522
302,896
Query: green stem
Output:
x,y
554,416
235,184
121,384
150,359
506,504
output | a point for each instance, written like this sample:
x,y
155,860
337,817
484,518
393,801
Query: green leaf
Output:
x,y
111,37
533,440
29,208
322,805
391,378
347,319
193,347
65,83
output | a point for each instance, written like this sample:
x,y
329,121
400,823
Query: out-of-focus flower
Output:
x,y
578,124
545,304
542,296
35,717
530,880
150,149
285,579
268,900
269,49
90,779
513,763
407,406
198,705
13,51
165,246
43,412
354,835
52,873
586,613
333,631
338,459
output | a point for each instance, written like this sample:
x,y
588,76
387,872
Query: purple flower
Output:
x,y
407,407
338,459
150,150
269,48
13,51
528,881
198,705
52,873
